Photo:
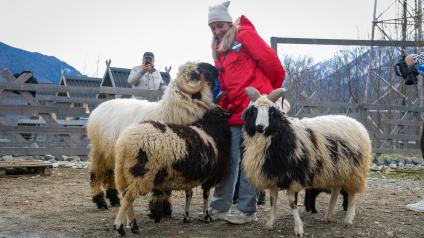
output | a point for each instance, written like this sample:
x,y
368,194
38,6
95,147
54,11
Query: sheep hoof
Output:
x,y
112,195
135,229
298,232
207,218
115,203
269,225
348,223
119,230
186,219
100,201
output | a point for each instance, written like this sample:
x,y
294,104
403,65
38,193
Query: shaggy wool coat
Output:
x,y
249,62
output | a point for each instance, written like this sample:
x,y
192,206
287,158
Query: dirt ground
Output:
x,y
60,206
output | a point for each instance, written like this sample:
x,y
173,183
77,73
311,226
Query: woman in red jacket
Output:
x,y
243,59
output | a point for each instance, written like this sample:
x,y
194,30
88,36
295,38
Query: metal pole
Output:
x,y
420,85
371,65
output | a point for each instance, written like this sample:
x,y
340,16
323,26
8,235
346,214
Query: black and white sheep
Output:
x,y
326,152
185,100
159,157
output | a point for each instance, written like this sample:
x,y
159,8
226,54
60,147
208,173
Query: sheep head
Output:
x,y
263,111
191,77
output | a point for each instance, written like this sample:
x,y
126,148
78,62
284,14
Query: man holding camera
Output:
x,y
411,69
145,76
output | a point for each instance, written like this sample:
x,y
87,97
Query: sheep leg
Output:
x,y
350,214
312,200
273,212
189,195
206,216
298,226
131,221
333,199
97,193
156,205
167,206
118,225
111,192
345,199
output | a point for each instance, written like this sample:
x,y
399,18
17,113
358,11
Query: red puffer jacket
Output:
x,y
250,62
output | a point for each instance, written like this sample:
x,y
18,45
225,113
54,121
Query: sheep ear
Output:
x,y
253,93
276,94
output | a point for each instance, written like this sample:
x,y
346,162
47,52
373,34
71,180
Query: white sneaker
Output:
x,y
216,215
238,217
418,207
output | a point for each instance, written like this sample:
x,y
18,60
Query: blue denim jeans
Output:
x,y
223,195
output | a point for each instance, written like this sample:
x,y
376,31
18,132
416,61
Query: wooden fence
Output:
x,y
393,128
51,124
47,123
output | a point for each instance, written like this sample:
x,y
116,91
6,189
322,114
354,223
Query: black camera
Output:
x,y
147,63
409,74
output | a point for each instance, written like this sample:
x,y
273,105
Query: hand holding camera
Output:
x,y
147,67
408,73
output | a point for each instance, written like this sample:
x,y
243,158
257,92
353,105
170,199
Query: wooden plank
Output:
x,y
44,151
393,107
41,144
327,104
401,122
26,109
8,75
43,129
70,99
24,163
397,137
80,90
23,77
308,115
28,96
19,167
396,151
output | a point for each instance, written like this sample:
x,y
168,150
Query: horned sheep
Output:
x,y
326,152
159,157
185,100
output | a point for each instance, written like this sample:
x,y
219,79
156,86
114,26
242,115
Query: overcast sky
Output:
x,y
80,32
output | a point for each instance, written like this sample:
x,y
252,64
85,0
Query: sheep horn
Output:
x,y
253,93
276,94
192,89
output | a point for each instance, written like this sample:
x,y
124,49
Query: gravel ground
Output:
x,y
60,206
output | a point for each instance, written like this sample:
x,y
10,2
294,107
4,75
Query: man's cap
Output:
x,y
148,54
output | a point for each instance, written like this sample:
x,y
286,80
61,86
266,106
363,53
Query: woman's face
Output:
x,y
219,29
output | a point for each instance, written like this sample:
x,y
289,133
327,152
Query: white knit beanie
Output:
x,y
219,13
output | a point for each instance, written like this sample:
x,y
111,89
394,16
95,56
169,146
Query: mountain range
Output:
x,y
45,68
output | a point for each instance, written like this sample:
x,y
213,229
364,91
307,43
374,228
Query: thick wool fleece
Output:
x,y
320,152
108,120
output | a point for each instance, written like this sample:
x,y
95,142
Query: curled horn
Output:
x,y
190,88
276,94
253,93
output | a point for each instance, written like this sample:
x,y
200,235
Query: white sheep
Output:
x,y
159,157
185,100
325,152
